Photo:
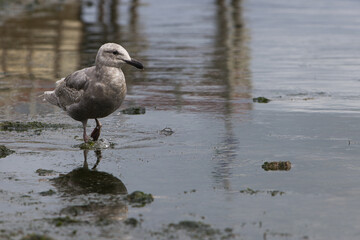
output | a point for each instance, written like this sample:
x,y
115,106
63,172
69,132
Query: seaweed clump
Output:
x,y
139,199
261,100
35,236
132,222
273,193
277,166
249,191
192,225
47,193
134,110
26,126
195,230
4,151
45,172
62,221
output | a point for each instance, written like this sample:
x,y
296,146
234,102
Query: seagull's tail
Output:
x,y
41,96
51,97
58,82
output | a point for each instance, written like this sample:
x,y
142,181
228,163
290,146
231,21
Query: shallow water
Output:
x,y
205,62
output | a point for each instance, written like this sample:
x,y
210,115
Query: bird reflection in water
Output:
x,y
100,194
84,180
98,158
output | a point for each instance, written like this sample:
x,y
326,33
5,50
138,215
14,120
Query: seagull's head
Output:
x,y
114,55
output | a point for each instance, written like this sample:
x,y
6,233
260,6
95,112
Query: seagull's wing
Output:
x,y
69,90
79,80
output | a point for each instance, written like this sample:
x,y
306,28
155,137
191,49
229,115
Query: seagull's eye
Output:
x,y
116,53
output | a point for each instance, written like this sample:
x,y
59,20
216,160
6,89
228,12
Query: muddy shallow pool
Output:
x,y
201,145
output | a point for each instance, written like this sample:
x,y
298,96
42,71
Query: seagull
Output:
x,y
94,92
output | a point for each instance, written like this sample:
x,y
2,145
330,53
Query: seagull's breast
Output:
x,y
102,97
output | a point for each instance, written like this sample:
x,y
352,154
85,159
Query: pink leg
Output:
x,y
86,137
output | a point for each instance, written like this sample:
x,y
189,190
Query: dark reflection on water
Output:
x,y
230,68
199,66
84,181
231,57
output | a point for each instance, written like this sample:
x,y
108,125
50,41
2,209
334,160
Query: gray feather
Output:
x,y
51,97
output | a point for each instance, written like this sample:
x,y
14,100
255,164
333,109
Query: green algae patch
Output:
x,y
95,145
275,192
26,126
277,235
36,237
134,110
261,100
47,193
194,230
192,225
90,145
250,191
45,172
277,166
63,221
132,222
139,199
4,151
104,211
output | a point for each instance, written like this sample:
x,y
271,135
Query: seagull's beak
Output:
x,y
135,63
